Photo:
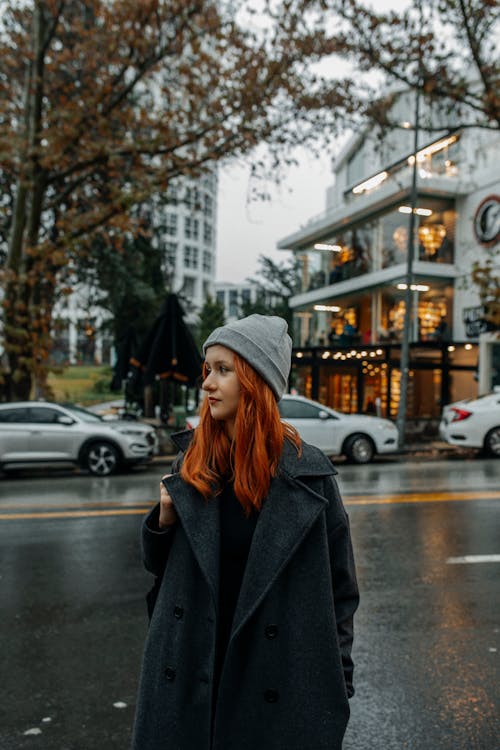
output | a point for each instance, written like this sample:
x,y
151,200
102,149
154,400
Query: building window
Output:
x,y
208,206
188,287
207,233
382,242
233,302
246,295
192,198
170,253
434,232
191,228
208,182
207,261
433,313
221,297
190,256
172,192
171,224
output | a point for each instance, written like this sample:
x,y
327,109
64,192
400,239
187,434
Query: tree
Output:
x,y
127,282
486,277
275,283
104,102
211,316
446,48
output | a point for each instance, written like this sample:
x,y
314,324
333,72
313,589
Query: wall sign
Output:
x,y
474,322
487,221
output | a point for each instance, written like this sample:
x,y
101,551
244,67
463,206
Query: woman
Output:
x,y
250,639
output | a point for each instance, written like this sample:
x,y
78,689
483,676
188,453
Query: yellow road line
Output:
x,y
87,504
75,513
431,497
116,509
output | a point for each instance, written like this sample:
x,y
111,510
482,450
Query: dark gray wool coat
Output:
x,y
287,674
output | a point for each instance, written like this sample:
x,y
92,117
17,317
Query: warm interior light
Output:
x,y
415,287
433,149
371,183
326,246
406,124
327,308
431,237
418,211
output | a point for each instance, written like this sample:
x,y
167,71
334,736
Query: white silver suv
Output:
x,y
36,433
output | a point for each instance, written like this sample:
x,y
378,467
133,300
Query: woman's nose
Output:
x,y
207,383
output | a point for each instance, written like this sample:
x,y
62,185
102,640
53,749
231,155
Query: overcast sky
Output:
x,y
247,230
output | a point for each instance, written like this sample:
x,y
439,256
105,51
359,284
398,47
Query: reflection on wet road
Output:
x,y
427,631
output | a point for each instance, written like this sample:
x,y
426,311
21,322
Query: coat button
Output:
x,y
170,673
271,631
178,612
271,696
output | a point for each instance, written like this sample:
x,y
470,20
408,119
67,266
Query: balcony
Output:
x,y
439,175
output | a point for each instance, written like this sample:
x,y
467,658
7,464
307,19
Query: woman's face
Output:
x,y
221,385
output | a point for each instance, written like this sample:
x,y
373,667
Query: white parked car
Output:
x,y
356,436
38,433
473,423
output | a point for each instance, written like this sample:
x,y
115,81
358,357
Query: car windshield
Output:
x,y
83,414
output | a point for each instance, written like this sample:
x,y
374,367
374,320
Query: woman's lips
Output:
x,y
213,400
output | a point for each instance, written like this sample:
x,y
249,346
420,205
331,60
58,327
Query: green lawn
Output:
x,y
83,384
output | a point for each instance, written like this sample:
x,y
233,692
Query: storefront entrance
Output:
x,y
367,379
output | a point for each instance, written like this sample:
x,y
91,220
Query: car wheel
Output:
x,y
101,459
492,442
359,449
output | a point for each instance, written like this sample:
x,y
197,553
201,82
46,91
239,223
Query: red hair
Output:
x,y
252,457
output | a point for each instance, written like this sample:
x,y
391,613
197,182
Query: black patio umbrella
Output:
x,y
126,348
169,351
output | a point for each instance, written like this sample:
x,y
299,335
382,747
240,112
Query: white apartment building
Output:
x,y
232,296
349,314
186,229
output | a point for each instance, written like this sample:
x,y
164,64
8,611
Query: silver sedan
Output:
x,y
357,436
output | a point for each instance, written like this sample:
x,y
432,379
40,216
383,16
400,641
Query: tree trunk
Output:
x,y
22,319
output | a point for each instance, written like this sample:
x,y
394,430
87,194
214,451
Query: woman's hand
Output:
x,y
168,516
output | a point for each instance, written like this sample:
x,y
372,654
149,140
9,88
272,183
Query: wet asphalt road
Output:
x,y
73,616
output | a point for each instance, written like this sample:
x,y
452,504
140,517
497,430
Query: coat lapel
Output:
x,y
287,515
200,521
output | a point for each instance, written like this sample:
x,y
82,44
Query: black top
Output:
x,y
236,532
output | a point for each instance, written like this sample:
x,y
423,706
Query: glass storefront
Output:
x,y
434,237
367,379
431,313
378,318
382,242
339,389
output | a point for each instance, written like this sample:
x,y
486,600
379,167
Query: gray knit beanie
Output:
x,y
263,341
